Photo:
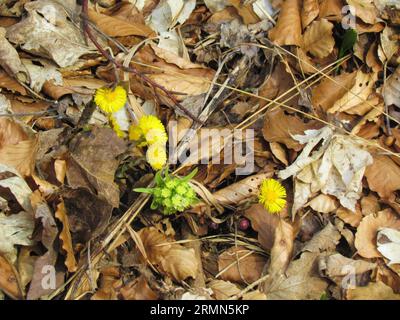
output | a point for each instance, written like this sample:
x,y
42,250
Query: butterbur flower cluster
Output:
x,y
112,102
171,194
151,132
272,195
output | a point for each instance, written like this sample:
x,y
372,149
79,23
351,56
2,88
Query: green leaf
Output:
x,y
144,190
190,175
349,39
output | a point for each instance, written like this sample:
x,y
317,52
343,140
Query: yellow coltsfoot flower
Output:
x,y
150,130
110,100
157,156
272,195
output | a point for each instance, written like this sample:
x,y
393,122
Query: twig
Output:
x,y
134,71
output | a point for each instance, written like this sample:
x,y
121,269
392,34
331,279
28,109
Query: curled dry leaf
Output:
x,y
65,237
365,10
388,241
373,291
366,236
323,203
288,28
350,217
318,38
391,90
47,31
237,264
173,259
383,176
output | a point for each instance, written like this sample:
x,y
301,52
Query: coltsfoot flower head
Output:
x,y
110,100
157,156
149,130
171,194
272,195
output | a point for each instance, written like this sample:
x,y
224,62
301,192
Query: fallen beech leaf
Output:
x,y
288,28
282,250
175,260
15,229
331,10
8,280
280,127
92,162
254,295
388,241
223,290
350,217
366,236
41,33
374,291
65,237
388,46
325,240
309,12
328,92
237,264
138,289
279,152
360,92
323,203
336,267
391,91
383,176
300,282
17,149
336,168
318,38
115,27
365,10
264,223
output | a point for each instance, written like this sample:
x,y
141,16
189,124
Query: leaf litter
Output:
x,y
322,101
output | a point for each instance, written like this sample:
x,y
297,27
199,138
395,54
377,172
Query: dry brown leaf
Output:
x,y
17,148
116,27
240,265
223,290
254,295
391,91
365,10
374,291
366,236
325,240
138,289
280,127
360,92
318,38
350,217
8,280
245,11
109,281
328,92
264,223
301,281
323,203
331,10
65,237
175,260
279,152
383,176
288,28
309,12
282,250
336,267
